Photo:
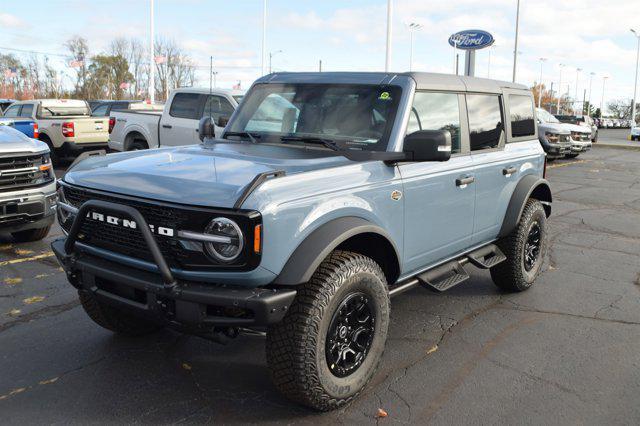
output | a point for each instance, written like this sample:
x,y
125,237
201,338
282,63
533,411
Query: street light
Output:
x,y
575,98
412,27
604,80
542,61
489,61
635,81
387,57
264,33
515,49
152,63
559,89
271,55
590,85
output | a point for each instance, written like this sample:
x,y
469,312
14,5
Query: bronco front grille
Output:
x,y
23,170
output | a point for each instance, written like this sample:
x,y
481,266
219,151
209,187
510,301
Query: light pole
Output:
x,y
455,54
635,81
604,80
264,33
515,48
575,98
152,62
559,90
590,85
412,27
387,57
542,61
271,55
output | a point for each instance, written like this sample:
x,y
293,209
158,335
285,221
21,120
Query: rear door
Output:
x,y
438,205
179,126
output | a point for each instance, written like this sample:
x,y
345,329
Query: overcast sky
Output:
x,y
350,35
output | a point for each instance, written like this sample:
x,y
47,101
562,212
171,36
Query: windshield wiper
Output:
x,y
313,139
252,137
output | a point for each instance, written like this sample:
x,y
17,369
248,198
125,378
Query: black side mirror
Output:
x,y
222,121
428,145
206,129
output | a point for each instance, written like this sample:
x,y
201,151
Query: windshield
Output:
x,y
238,98
545,116
356,116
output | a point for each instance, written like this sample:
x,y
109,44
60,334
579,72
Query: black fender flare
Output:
x,y
528,187
306,258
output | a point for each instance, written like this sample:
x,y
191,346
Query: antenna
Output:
x,y
210,86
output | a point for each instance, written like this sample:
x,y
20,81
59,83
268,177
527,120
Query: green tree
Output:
x,y
106,74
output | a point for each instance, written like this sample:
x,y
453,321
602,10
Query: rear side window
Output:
x,y
521,116
101,111
436,111
185,105
12,111
27,109
485,121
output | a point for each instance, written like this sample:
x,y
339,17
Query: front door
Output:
x,y
218,107
439,198
180,127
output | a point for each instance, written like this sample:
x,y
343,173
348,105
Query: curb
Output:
x,y
618,146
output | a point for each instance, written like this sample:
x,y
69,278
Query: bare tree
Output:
x,y
176,69
79,53
620,108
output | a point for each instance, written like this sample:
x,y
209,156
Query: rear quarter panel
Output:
x,y
128,122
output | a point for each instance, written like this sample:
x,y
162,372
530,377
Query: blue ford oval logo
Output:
x,y
471,39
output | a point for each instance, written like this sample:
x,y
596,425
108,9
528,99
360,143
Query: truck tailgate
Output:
x,y
91,130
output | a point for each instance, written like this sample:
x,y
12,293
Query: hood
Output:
x,y
557,128
200,175
577,128
14,141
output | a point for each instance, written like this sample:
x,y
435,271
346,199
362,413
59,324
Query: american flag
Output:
x,y
11,72
160,59
124,85
76,64
237,86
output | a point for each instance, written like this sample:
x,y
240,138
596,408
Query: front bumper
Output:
x,y
580,146
29,208
557,150
190,306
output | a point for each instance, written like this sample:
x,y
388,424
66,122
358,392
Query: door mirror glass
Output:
x,y
206,129
428,145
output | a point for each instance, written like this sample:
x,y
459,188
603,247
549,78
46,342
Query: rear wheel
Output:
x,y
330,343
138,145
31,234
525,249
114,319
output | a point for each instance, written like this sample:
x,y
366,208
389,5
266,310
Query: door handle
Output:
x,y
462,182
509,170
167,126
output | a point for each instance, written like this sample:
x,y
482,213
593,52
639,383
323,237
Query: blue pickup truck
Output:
x,y
326,194
28,127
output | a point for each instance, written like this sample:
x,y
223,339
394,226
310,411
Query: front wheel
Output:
x,y
525,248
571,155
31,234
329,345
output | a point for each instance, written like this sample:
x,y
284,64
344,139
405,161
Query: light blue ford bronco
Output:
x,y
326,194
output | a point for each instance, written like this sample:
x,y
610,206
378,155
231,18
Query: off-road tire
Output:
x,y
114,319
511,275
295,347
138,145
571,155
30,235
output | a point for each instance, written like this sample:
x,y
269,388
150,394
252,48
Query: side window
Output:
x,y
217,106
485,121
185,105
12,111
26,111
521,116
436,111
101,111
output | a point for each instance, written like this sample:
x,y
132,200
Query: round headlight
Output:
x,y
229,239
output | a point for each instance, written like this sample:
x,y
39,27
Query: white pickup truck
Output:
x,y
176,124
65,125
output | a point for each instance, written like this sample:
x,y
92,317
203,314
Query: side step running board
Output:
x,y
445,276
487,256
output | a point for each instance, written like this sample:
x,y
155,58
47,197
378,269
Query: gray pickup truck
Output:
x,y
27,186
326,194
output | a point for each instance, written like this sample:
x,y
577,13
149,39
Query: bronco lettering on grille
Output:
x,y
126,223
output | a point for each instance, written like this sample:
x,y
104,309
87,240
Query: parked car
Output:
x,y
65,125
103,109
176,124
554,136
634,135
372,184
4,104
27,186
581,120
28,127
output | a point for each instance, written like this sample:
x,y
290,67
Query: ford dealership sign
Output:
x,y
471,39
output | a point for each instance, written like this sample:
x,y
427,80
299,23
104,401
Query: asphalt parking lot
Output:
x,y
567,351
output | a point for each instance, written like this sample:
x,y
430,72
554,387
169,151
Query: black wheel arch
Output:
x,y
133,136
530,186
346,233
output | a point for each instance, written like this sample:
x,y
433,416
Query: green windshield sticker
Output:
x,y
384,96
